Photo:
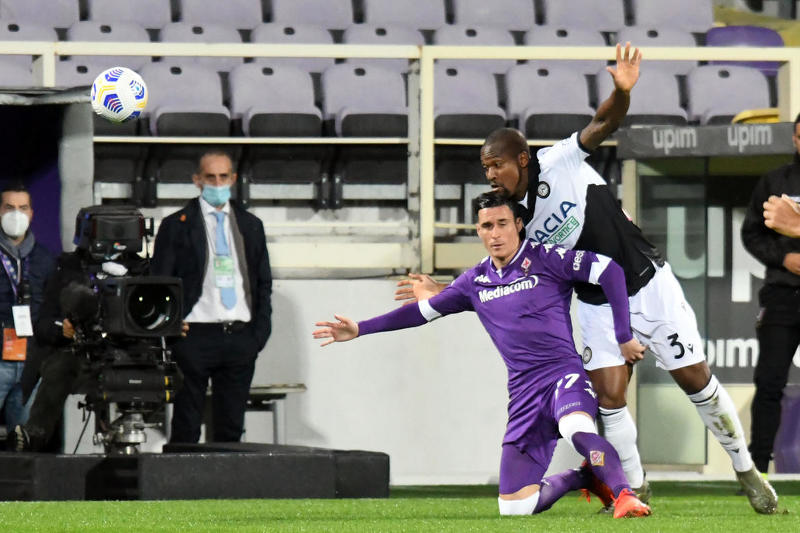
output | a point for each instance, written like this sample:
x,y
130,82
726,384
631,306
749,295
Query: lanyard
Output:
x,y
14,275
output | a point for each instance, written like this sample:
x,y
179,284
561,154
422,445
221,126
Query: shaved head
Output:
x,y
506,141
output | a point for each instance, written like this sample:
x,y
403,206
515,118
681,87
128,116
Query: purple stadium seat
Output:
x,y
607,16
476,36
54,13
553,36
695,16
24,31
328,14
465,103
510,15
184,32
14,74
656,100
116,32
147,13
643,37
276,32
717,93
382,34
754,36
417,14
240,14
548,103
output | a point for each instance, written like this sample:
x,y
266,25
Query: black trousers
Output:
x,y
226,355
778,334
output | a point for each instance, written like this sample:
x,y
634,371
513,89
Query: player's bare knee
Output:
x,y
692,379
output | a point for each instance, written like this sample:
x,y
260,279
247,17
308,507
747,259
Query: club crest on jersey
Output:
x,y
557,226
543,189
597,457
587,355
526,265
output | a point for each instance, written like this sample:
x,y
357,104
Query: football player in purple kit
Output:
x,y
566,202
521,293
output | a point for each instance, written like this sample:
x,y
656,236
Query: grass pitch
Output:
x,y
691,507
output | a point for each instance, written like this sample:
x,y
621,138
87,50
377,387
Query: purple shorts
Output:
x,y
527,454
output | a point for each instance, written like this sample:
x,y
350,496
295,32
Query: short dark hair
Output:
x,y
797,119
495,199
16,186
508,140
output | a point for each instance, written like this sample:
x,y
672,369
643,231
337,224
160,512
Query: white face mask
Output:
x,y
15,223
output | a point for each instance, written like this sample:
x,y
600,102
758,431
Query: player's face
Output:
x,y
215,170
505,172
499,231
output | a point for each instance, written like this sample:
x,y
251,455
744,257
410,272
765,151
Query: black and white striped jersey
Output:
x,y
574,207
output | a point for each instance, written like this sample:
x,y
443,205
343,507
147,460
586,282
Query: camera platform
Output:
x,y
197,471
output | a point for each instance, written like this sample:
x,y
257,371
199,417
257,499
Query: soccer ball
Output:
x,y
119,94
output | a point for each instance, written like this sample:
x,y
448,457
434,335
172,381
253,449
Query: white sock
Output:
x,y
618,428
719,415
518,507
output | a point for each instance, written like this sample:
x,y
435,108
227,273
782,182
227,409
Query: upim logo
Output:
x,y
749,135
667,139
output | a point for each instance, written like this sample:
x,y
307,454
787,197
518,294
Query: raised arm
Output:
x,y
611,111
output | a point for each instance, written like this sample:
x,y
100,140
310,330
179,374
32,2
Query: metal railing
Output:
x,y
421,252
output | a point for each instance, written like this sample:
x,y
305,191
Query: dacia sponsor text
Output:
x,y
558,225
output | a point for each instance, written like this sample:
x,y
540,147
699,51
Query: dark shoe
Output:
x,y
644,493
18,440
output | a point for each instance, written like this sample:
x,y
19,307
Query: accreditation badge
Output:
x,y
223,271
14,348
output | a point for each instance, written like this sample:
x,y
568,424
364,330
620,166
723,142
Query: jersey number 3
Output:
x,y
677,344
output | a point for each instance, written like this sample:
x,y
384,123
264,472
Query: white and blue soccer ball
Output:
x,y
119,94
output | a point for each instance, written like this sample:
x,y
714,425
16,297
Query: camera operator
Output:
x,y
219,250
26,266
65,370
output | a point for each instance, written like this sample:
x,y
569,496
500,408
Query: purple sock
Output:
x,y
555,486
603,459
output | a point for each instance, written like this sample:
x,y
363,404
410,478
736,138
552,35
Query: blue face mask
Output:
x,y
216,196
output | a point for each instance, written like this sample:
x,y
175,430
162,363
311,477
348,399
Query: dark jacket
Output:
x,y
181,250
40,266
766,245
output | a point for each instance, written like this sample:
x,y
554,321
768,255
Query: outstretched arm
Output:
x,y
343,330
417,288
612,111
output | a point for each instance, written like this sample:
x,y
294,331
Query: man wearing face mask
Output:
x,y
220,252
26,266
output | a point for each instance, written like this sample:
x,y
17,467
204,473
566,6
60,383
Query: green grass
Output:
x,y
693,507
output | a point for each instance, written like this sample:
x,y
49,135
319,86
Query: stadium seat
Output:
x,y
465,105
328,14
548,103
259,99
416,14
554,36
475,36
184,32
276,32
718,93
753,36
186,100
14,74
24,31
657,98
116,32
147,13
607,16
695,16
53,13
370,34
367,102
510,15
642,37
239,14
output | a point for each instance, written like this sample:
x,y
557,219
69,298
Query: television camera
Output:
x,y
122,318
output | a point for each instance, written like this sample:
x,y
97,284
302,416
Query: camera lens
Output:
x,y
152,307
